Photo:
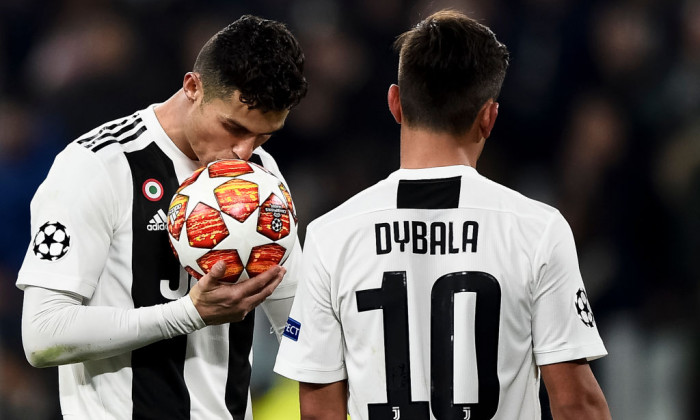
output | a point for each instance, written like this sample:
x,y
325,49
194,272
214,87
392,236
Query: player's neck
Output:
x,y
427,149
171,114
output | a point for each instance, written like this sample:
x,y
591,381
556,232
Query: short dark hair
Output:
x,y
449,66
258,57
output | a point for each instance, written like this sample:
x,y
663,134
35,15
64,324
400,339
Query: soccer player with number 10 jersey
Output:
x,y
437,293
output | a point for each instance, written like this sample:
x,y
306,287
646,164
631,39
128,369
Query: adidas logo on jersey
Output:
x,y
158,221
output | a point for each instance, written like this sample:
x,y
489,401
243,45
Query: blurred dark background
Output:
x,y
599,116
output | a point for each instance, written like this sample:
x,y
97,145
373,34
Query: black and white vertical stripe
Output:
x,y
172,379
158,388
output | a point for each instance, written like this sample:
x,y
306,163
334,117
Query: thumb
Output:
x,y
217,271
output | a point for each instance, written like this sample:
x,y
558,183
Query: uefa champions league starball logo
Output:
x,y
51,242
276,225
583,309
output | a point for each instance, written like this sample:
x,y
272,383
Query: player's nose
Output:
x,y
243,149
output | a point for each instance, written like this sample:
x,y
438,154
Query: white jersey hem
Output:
x,y
312,376
59,282
591,352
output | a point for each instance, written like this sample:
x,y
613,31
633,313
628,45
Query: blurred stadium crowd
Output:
x,y
599,116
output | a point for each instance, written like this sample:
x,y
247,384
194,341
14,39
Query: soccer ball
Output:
x,y
235,211
51,242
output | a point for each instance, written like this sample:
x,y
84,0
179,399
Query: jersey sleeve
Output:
x,y
73,216
311,349
563,327
57,329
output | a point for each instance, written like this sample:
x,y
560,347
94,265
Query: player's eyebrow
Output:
x,y
230,121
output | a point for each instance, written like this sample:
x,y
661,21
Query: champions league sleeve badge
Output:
x,y
51,242
583,309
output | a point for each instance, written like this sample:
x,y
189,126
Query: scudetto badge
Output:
x,y
51,242
152,189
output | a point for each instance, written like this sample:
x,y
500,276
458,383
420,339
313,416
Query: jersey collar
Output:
x,y
164,141
435,172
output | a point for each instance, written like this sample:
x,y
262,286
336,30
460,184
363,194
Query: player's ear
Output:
x,y
395,103
487,117
192,86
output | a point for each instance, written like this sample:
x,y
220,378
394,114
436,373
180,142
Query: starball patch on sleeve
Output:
x,y
583,308
51,242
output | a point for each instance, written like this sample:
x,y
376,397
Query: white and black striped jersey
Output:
x,y
108,192
437,293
